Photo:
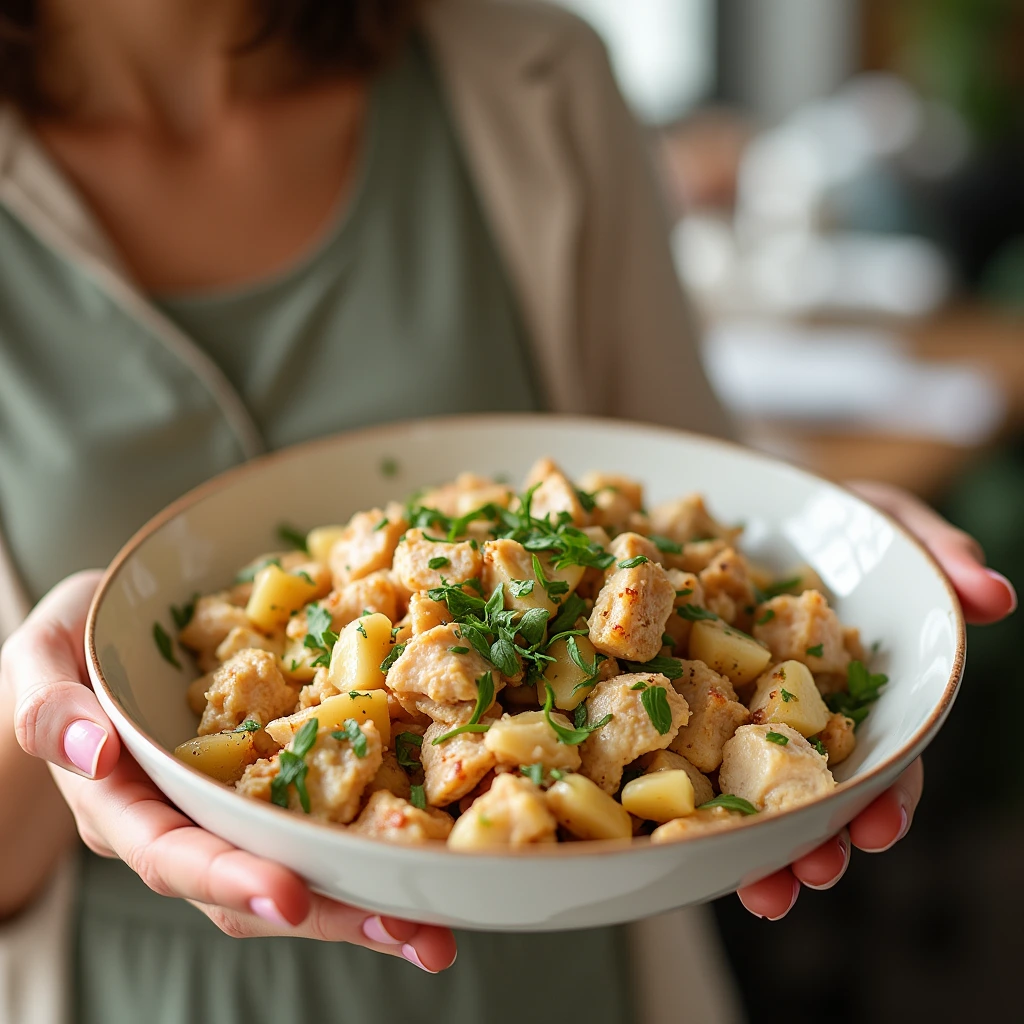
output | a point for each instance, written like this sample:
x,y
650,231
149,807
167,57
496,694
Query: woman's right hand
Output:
x,y
120,812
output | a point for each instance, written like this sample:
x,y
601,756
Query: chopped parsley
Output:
x,y
685,592
249,725
776,737
520,588
665,544
404,744
591,670
582,730
350,731
557,774
290,535
183,616
293,767
484,699
775,589
670,668
768,615
818,746
667,640
787,696
553,588
361,630
586,499
388,466
439,562
641,685
816,651
319,635
393,655
862,690
381,524
655,702
458,650
418,798
694,613
302,574
534,772
730,803
165,645
572,609
632,563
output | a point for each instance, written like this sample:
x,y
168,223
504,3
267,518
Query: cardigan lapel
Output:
x,y
505,96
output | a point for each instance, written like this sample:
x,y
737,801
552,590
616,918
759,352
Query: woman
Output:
x,y
230,225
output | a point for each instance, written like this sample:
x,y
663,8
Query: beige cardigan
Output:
x,y
565,182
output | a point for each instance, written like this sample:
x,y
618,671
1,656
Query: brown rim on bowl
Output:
x,y
580,848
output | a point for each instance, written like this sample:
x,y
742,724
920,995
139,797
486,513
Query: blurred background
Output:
x,y
848,182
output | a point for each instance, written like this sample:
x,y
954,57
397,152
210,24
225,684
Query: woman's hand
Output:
x,y
120,813
986,596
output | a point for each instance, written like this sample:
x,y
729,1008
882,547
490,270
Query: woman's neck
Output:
x,y
169,65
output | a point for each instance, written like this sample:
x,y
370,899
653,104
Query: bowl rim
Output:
x,y
196,495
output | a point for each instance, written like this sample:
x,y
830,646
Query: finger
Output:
x,y
56,716
427,946
985,595
886,821
773,897
823,867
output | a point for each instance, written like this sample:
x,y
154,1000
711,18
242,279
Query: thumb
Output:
x,y
56,715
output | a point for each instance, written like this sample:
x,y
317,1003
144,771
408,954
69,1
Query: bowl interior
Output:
x,y
881,581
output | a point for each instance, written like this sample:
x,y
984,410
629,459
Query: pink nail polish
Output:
x,y
374,930
266,908
1010,589
83,743
410,954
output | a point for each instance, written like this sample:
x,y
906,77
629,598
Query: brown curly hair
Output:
x,y
349,36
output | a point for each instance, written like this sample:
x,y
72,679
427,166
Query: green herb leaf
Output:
x,y
557,774
249,725
350,731
685,592
393,655
520,588
730,803
417,797
534,772
388,466
361,630
862,691
787,696
183,616
290,535
439,562
766,617
667,640
303,740
381,524
503,657
573,608
484,699
640,685
655,702
592,669
459,650
816,651
776,737
553,588
582,730
404,744
532,625
632,563
165,645
586,499
666,544
670,668
694,613
293,768
818,746
776,589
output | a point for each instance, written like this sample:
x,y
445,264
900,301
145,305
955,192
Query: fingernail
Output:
x,y
266,908
844,847
83,744
792,902
1010,589
374,930
410,954
904,823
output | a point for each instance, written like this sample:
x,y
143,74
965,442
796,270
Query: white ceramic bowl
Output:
x,y
882,580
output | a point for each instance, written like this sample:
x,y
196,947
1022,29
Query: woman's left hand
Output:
x,y
986,596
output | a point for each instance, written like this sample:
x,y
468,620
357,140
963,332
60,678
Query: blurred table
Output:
x,y
965,334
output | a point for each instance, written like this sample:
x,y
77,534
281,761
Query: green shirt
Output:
x,y
402,310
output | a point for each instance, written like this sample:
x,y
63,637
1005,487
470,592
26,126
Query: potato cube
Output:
x,y
738,657
223,756
527,738
587,811
320,541
660,796
788,694
668,760
332,712
275,595
565,675
355,660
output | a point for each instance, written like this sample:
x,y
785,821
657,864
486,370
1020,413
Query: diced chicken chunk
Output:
x,y
465,494
838,738
629,618
337,776
512,812
395,820
711,819
697,555
425,614
628,545
804,629
773,776
247,686
256,780
667,760
455,563
430,667
391,777
367,545
241,638
687,519
212,619
630,732
728,591
715,714
452,768
554,495
688,591
616,498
